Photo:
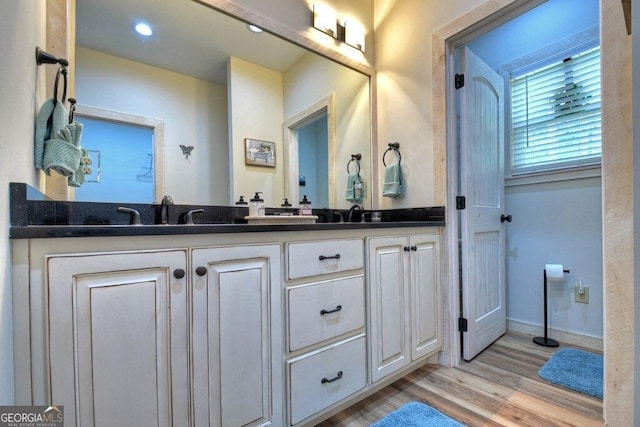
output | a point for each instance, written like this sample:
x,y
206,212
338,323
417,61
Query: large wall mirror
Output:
x,y
226,97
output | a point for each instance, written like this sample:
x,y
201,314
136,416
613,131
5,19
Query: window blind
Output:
x,y
555,115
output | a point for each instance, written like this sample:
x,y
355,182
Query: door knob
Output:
x,y
504,218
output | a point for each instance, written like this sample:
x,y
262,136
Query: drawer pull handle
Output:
x,y
323,312
322,257
330,380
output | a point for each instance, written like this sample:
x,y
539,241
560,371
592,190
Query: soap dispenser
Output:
x,y
241,201
305,206
256,205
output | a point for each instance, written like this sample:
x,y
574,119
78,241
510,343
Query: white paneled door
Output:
x,y
481,103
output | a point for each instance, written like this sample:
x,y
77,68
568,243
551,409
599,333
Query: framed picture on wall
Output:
x,y
259,153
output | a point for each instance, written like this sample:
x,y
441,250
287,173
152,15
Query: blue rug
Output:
x,y
415,414
575,369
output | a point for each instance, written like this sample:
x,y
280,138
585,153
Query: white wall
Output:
x,y
311,79
556,223
194,113
255,111
22,28
403,60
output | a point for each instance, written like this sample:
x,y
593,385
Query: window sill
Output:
x,y
554,176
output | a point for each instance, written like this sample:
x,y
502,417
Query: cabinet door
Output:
x,y
389,302
237,336
118,338
425,295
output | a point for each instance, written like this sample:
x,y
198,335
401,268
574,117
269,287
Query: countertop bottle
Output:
x,y
305,206
256,205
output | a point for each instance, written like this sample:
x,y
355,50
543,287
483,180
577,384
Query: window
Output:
x,y
555,115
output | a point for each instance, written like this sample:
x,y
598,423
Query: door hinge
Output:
x,y
462,324
461,202
459,81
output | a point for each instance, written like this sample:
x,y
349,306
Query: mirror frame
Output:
x,y
61,15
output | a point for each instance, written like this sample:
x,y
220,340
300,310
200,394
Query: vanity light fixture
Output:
x,y
324,19
254,29
143,29
354,35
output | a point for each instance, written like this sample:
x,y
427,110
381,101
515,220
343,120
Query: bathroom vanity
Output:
x,y
225,324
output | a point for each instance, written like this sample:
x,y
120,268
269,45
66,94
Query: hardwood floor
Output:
x,y
500,387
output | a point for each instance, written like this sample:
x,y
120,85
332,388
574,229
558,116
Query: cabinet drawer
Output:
x,y
324,310
322,257
325,377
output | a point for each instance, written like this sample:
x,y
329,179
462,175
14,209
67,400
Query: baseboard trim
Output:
x,y
565,337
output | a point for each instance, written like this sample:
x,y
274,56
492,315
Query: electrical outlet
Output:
x,y
582,297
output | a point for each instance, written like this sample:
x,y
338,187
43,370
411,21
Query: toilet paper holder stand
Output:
x,y
546,341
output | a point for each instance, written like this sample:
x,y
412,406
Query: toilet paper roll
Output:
x,y
555,272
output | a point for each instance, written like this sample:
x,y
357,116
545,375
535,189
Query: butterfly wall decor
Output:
x,y
186,150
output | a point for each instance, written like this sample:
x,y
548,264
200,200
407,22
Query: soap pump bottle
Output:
x,y
305,206
256,205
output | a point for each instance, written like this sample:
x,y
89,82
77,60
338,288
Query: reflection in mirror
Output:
x,y
126,154
212,96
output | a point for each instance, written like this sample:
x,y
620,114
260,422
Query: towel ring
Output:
x,y
354,158
63,71
391,148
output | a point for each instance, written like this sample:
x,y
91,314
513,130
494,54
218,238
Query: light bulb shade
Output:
x,y
324,19
354,35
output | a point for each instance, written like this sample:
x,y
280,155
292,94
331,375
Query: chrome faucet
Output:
x,y
164,209
351,209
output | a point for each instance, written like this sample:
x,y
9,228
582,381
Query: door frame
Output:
x,y
326,106
445,42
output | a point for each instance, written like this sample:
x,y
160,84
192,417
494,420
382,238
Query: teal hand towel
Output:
x,y
62,152
355,188
393,186
50,119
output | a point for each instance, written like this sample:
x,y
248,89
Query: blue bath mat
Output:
x,y
415,414
575,369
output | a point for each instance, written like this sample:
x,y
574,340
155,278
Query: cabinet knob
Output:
x,y
406,248
201,271
414,248
178,273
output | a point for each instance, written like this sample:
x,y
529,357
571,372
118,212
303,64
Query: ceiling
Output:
x,y
189,38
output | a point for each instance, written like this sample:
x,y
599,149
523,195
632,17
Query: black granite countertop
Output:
x,y
33,216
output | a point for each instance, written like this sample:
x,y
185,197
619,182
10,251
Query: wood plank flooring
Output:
x,y
500,387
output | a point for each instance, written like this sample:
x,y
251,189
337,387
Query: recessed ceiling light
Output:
x,y
254,28
143,29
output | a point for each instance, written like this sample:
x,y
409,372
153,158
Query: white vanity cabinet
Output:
x,y
182,337
273,329
325,318
118,338
404,301
236,338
